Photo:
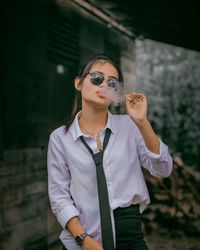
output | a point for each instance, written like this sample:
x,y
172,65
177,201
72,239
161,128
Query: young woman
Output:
x,y
75,183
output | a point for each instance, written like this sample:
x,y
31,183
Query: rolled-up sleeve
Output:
x,y
59,183
159,165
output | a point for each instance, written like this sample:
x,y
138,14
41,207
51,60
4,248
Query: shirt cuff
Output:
x,y
66,214
163,148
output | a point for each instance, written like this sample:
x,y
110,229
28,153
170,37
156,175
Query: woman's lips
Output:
x,y
101,93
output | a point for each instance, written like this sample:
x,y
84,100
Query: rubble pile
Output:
x,y
175,202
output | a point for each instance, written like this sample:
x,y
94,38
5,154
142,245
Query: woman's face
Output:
x,y
90,92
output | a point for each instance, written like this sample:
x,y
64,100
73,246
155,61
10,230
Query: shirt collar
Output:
x,y
76,131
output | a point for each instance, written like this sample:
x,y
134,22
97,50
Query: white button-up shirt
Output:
x,y
72,183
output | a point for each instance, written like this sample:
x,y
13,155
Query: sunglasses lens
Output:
x,y
96,79
112,83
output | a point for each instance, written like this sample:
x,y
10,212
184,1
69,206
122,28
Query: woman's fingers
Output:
x,y
135,97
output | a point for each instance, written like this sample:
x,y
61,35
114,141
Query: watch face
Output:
x,y
80,237
79,240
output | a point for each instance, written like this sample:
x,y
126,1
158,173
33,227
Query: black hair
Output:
x,y
77,103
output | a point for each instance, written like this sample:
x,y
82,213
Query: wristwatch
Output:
x,y
79,238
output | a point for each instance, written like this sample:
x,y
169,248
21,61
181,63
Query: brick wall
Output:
x,y
24,204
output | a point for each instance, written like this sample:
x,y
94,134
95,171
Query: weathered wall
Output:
x,y
170,76
36,96
23,187
24,203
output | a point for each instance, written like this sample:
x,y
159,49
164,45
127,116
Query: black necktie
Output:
x,y
104,206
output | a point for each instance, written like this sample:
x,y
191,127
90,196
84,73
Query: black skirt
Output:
x,y
128,228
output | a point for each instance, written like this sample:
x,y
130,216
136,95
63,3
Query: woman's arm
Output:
x,y
59,180
136,105
151,140
153,153
75,229
62,204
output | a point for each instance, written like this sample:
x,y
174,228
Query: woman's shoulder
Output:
x,y
58,132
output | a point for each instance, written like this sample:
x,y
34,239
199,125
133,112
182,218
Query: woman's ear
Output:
x,y
77,83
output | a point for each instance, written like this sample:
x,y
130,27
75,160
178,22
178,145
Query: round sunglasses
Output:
x,y
97,79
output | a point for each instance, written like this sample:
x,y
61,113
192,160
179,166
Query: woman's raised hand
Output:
x,y
136,106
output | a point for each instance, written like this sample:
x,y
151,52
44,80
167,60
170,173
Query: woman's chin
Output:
x,y
102,102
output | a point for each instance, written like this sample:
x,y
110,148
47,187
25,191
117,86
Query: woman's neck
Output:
x,y
92,120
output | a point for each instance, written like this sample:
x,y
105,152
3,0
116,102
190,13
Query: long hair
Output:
x,y
77,103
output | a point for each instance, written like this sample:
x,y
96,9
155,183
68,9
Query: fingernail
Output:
x,y
127,97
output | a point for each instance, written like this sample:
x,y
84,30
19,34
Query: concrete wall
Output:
x,y
170,77
36,98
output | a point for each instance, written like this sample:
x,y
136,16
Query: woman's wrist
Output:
x,y
75,227
81,237
142,124
87,239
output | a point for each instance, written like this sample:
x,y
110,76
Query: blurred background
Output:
x,y
43,44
